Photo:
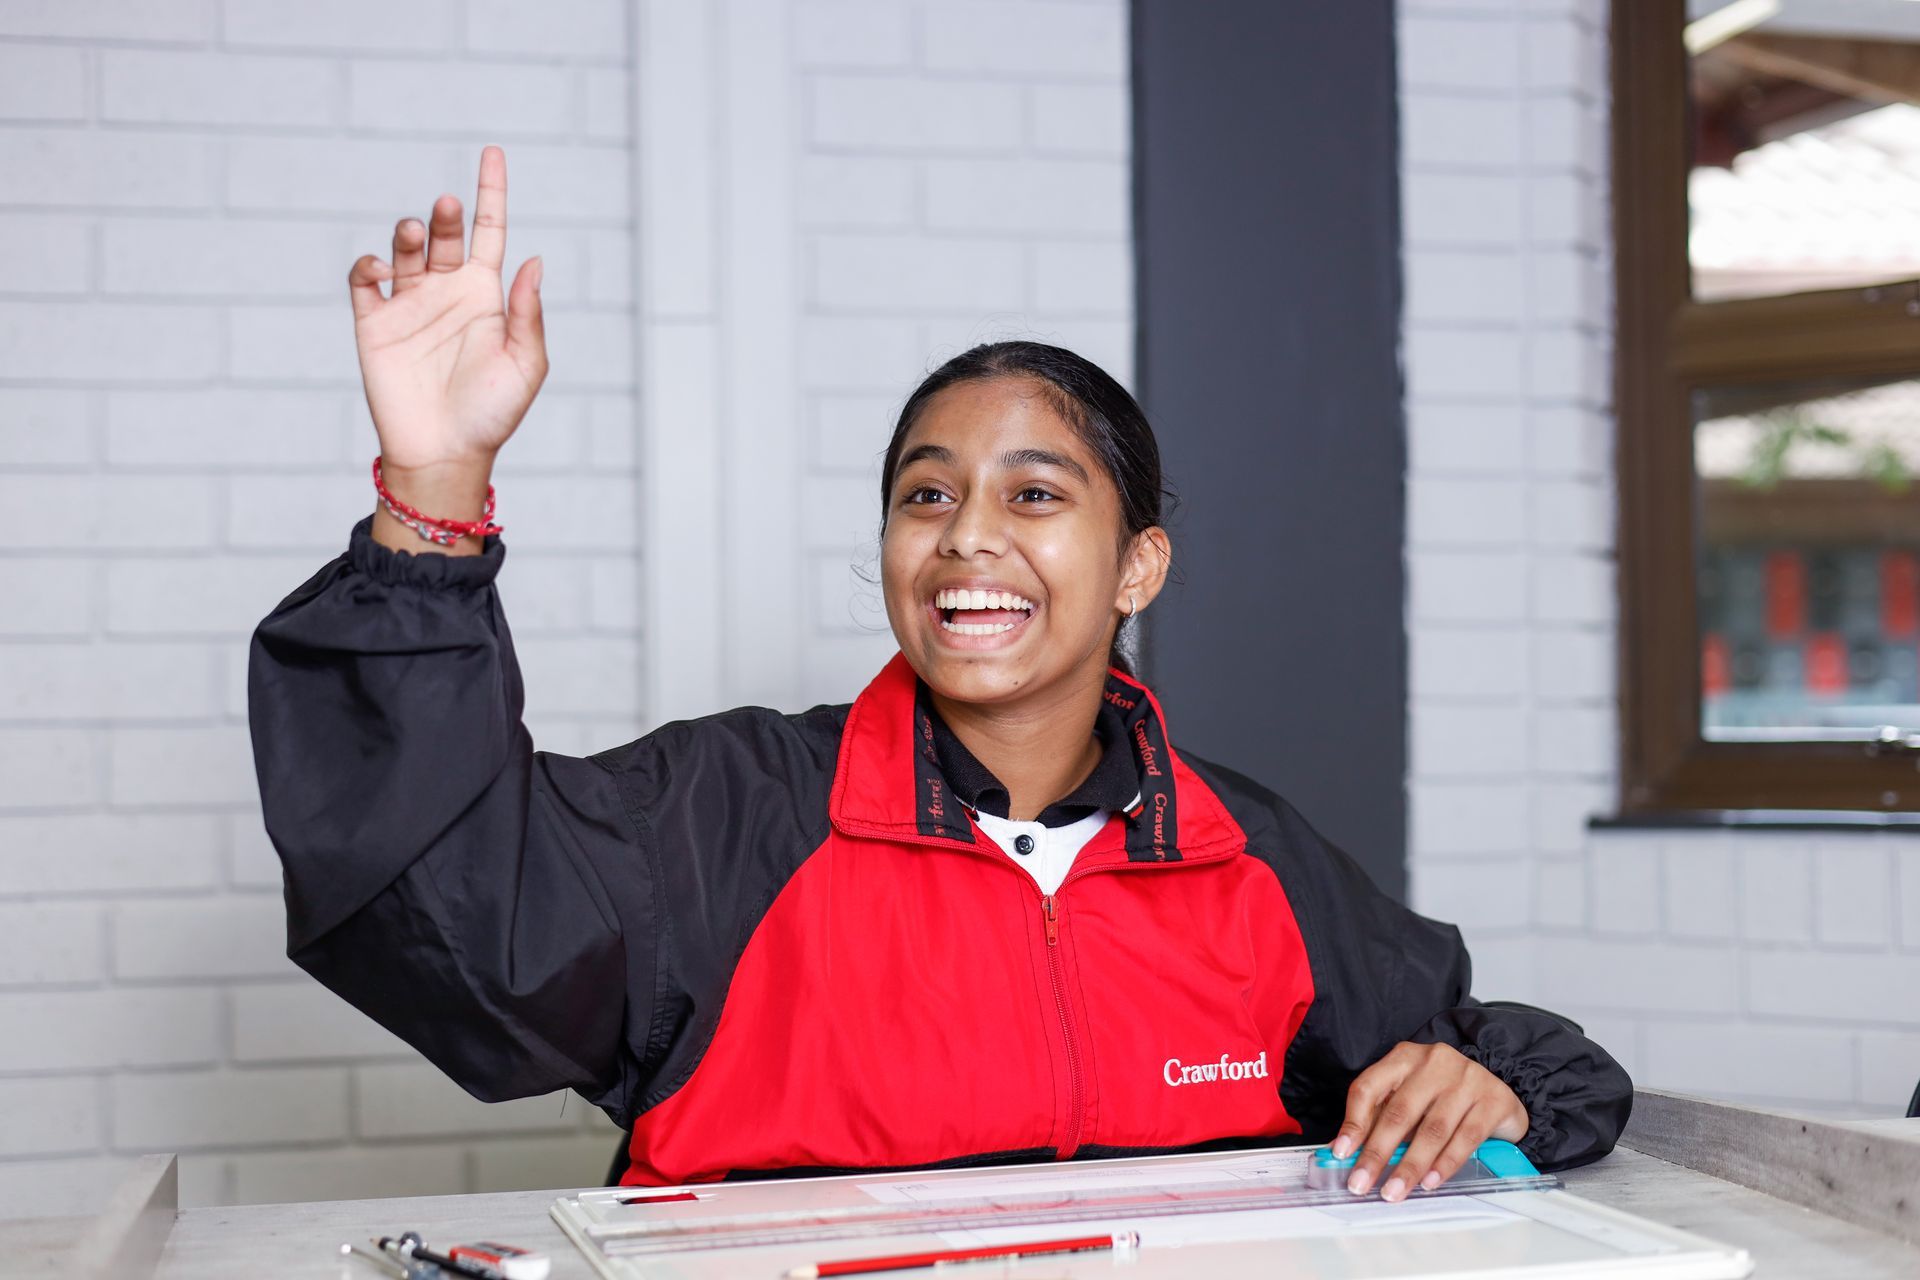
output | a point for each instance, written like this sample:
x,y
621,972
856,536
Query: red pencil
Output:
x,y
903,1261
671,1198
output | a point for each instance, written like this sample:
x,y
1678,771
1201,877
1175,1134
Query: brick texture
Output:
x,y
183,441
1766,967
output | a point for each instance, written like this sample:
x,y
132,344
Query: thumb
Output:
x,y
526,322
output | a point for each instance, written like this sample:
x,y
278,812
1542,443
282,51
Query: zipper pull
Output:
x,y
1053,931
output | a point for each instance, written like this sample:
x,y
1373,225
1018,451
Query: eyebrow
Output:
x,y
1011,459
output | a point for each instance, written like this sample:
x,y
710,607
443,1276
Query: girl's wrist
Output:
x,y
450,492
455,478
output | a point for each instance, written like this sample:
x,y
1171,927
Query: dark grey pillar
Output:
x,y
1268,239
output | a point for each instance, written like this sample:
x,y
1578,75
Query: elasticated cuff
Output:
x,y
1529,1083
429,569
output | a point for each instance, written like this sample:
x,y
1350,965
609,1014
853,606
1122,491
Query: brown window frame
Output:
x,y
1666,345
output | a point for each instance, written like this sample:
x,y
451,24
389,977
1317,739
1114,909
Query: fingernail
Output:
x,y
1341,1146
1395,1188
1359,1182
539,271
1432,1179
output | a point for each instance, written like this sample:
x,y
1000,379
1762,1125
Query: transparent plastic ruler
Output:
x,y
1005,1208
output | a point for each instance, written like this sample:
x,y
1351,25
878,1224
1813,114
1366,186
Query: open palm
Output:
x,y
449,371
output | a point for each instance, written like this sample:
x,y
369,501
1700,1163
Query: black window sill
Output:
x,y
1756,820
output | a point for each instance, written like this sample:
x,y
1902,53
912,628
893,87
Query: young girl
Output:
x,y
988,911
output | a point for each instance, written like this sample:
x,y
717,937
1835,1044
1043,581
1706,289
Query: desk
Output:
x,y
1785,1239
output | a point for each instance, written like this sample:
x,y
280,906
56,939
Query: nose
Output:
x,y
974,526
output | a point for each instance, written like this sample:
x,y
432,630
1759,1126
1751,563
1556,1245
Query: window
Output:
x,y
1767,243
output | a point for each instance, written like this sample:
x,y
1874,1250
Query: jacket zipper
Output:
x,y
1056,974
1075,1074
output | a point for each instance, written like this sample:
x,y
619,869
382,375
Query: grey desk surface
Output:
x,y
296,1240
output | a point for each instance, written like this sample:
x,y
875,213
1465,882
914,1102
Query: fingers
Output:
x,y
1431,1134
1368,1097
440,243
409,253
1392,1123
526,322
363,284
1364,1097
1475,1128
446,235
490,209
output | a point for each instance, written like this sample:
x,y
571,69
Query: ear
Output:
x,y
1144,569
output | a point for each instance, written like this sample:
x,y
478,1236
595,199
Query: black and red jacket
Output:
x,y
767,941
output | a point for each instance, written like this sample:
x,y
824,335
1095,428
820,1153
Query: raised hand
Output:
x,y
449,371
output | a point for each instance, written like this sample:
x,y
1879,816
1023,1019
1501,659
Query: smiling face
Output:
x,y
1002,560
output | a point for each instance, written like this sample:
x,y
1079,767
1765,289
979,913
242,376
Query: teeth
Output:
x,y
978,628
954,598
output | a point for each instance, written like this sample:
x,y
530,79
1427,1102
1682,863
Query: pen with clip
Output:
x,y
390,1265
947,1257
408,1248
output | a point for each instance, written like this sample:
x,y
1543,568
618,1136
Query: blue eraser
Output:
x,y
1323,1157
1499,1159
1503,1160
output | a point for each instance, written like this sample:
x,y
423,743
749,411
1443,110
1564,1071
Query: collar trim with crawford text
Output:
x,y
887,781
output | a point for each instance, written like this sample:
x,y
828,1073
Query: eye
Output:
x,y
1034,492
922,496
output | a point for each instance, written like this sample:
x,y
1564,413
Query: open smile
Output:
x,y
980,618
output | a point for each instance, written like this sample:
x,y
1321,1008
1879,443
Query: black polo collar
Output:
x,y
1114,783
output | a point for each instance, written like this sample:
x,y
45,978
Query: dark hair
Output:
x,y
1101,412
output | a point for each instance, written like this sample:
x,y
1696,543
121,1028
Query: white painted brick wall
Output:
x,y
183,440
1909,891
50,1115
296,1022
846,191
928,176
413,1100
87,1030
284,1177
52,943
1772,967
189,1110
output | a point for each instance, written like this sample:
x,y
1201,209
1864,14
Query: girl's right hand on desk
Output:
x,y
449,371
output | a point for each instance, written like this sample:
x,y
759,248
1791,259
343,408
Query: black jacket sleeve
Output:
x,y
489,903
1384,974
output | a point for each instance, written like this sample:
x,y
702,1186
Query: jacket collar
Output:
x,y
1113,784
888,782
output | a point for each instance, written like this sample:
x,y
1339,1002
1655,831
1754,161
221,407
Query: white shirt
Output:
x,y
1051,850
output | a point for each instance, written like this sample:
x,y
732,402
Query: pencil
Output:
x,y
905,1261
670,1198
